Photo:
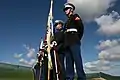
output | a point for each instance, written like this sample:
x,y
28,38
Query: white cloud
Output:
x,y
115,71
108,58
18,55
27,63
26,47
109,24
90,9
29,57
108,44
32,61
111,54
110,50
31,51
99,65
23,61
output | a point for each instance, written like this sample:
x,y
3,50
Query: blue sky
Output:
x,y
23,22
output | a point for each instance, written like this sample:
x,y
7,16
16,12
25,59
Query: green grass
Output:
x,y
14,72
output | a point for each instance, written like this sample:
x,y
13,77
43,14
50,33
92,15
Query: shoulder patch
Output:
x,y
77,18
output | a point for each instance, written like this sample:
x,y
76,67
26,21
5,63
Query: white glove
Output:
x,y
54,43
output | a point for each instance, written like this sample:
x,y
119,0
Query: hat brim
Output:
x,y
59,23
66,8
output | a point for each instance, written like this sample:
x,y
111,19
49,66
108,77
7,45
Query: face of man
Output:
x,y
67,11
59,26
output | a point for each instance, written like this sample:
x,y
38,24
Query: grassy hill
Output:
x,y
103,75
110,77
15,72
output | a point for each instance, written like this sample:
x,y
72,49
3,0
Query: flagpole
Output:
x,y
48,38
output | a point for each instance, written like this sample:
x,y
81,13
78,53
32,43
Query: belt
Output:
x,y
71,30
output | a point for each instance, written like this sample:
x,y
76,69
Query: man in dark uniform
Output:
x,y
40,69
73,34
58,37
